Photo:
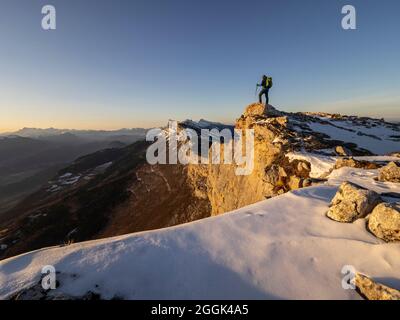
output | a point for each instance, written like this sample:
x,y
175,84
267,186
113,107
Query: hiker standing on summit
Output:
x,y
266,84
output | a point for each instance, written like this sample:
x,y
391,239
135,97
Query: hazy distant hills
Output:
x,y
31,156
89,134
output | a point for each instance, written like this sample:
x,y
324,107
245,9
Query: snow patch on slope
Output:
x,y
322,165
364,178
376,139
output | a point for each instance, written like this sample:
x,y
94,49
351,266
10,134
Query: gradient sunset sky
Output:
x,y
130,63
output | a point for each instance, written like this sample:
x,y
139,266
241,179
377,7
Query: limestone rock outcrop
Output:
x,y
390,173
273,173
384,222
353,163
352,202
372,290
262,110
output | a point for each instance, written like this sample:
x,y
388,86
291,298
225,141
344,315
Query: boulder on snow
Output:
x,y
342,151
352,202
353,163
384,221
258,109
390,173
372,290
287,175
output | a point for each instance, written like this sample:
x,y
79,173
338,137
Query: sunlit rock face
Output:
x,y
352,202
273,173
384,222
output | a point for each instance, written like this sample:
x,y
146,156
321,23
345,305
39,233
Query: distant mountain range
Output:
x,y
90,134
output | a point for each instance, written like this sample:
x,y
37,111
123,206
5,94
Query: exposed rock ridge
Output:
x,y
273,173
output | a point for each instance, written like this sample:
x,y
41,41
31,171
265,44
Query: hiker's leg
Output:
x,y
260,95
266,97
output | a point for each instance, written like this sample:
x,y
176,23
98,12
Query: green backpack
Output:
x,y
268,83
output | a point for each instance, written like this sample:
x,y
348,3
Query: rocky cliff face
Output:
x,y
272,175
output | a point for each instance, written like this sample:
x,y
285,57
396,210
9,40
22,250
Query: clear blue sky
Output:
x,y
128,63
